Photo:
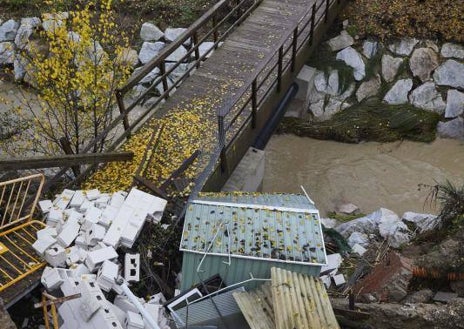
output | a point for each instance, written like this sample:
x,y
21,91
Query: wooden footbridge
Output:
x,y
259,47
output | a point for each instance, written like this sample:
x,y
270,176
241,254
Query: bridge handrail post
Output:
x,y
254,102
222,143
327,6
197,49
216,32
294,48
164,78
313,22
279,69
122,109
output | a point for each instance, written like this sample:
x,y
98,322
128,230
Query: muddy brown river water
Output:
x,y
370,175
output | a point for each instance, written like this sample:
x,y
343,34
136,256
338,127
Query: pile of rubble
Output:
x,y
84,230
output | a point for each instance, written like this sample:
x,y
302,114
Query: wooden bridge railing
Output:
x,y
243,108
216,24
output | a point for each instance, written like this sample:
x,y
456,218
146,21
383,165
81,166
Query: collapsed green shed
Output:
x,y
242,235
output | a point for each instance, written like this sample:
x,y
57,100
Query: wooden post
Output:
x,y
313,21
66,146
197,49
294,48
327,6
254,102
164,78
122,109
279,72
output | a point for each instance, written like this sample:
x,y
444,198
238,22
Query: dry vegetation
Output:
x,y
431,19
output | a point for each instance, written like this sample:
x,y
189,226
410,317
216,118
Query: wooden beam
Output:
x,y
63,160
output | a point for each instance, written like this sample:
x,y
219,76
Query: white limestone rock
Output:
x,y
171,34
450,73
7,53
454,104
352,58
329,85
368,88
150,32
451,50
398,94
370,48
422,222
8,30
177,54
403,47
25,30
427,98
149,50
422,63
390,66
451,129
341,41
358,238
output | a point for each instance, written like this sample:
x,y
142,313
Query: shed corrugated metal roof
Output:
x,y
283,227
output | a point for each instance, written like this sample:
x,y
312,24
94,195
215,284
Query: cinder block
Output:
x,y
75,254
120,314
102,201
117,199
113,235
124,304
93,214
73,216
77,199
78,270
339,279
92,195
95,234
155,310
48,231
91,299
134,321
70,287
62,200
55,215
45,206
55,256
107,274
41,245
132,267
157,299
97,257
145,202
104,318
85,205
80,242
108,215
68,234
51,278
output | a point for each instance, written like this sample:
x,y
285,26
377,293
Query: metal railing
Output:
x,y
236,114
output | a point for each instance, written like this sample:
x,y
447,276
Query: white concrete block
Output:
x,y
62,200
108,215
68,234
130,234
120,314
134,321
55,256
92,195
104,318
113,235
91,299
71,319
72,215
102,201
93,214
51,278
117,199
55,215
333,263
145,202
360,250
124,304
132,267
75,254
154,310
85,205
80,242
48,231
98,245
95,234
326,279
70,287
339,279
107,274
77,199
97,257
158,298
41,245
78,270
45,205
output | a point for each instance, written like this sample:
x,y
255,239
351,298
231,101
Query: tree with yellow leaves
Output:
x,y
75,65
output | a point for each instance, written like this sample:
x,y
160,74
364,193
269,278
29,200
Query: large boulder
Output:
x,y
327,84
450,73
367,224
7,53
358,238
454,104
352,58
451,129
25,30
51,21
451,50
128,56
368,88
177,54
322,110
422,63
150,50
150,32
8,30
341,41
398,94
403,47
171,34
390,66
428,98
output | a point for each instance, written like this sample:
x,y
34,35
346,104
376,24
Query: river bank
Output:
x,y
369,175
